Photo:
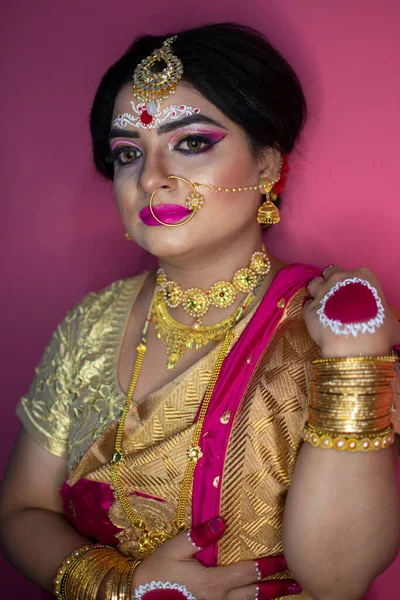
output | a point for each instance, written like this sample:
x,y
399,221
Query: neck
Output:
x,y
204,269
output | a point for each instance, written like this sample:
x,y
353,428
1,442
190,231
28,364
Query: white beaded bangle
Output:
x,y
141,591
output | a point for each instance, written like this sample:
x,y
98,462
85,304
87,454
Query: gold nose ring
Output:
x,y
194,199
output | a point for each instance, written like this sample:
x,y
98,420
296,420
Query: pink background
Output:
x,y
60,234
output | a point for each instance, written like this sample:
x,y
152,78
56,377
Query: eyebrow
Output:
x,y
167,127
123,133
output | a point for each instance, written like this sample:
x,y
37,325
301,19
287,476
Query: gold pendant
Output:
x,y
178,338
148,542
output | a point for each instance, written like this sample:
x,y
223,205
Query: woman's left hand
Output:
x,y
348,306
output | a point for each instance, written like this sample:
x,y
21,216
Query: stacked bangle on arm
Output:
x,y
82,573
350,407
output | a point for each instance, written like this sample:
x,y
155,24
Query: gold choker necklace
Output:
x,y
196,302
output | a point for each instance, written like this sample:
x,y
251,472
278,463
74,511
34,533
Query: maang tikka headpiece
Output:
x,y
151,87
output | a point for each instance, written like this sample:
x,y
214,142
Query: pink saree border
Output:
x,y
234,377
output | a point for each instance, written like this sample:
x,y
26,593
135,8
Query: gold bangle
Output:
x,y
352,443
352,395
364,422
132,570
354,408
112,586
359,359
80,577
118,586
338,424
96,576
115,581
352,384
346,404
68,562
77,576
124,585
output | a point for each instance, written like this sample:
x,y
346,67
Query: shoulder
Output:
x,y
109,299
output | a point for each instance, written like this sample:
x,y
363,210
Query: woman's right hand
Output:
x,y
174,562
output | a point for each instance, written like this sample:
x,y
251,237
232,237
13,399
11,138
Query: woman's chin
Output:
x,y
166,244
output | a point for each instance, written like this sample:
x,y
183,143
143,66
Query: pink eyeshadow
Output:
x,y
123,143
213,136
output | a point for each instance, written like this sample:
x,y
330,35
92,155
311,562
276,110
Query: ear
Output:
x,y
270,163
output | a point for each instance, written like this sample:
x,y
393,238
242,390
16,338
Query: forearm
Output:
x,y
342,521
36,542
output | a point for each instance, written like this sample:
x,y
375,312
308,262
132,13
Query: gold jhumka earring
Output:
x,y
268,213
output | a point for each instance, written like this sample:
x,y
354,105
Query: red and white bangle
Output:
x,y
352,307
161,590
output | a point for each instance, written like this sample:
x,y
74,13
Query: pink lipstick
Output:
x,y
169,213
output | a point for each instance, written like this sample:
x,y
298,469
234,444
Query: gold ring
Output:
x,y
172,224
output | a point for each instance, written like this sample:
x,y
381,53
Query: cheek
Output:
x,y
231,207
124,188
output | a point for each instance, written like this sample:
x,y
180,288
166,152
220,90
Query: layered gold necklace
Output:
x,y
178,338
148,541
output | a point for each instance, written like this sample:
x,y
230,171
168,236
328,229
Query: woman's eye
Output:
x,y
193,145
126,155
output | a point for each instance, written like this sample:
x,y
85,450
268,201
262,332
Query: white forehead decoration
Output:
x,y
149,115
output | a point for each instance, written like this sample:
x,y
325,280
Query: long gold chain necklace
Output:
x,y
149,541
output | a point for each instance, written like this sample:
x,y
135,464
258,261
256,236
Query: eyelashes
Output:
x,y
196,143
125,153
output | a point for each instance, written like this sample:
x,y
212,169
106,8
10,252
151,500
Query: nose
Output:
x,y
154,175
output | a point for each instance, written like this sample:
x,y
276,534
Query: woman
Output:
x,y
170,408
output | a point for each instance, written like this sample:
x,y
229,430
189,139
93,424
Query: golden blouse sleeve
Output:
x,y
44,410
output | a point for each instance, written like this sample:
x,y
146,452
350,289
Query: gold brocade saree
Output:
x,y
250,439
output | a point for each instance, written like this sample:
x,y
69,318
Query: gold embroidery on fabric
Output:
x,y
74,395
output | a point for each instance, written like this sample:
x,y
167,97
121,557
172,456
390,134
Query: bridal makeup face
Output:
x,y
206,147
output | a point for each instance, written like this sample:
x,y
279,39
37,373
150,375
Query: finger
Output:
x,y
269,565
245,572
314,284
329,270
266,590
205,534
187,544
307,299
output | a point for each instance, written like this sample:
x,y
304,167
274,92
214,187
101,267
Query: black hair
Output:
x,y
234,67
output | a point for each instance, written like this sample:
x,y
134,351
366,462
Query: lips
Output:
x,y
169,213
